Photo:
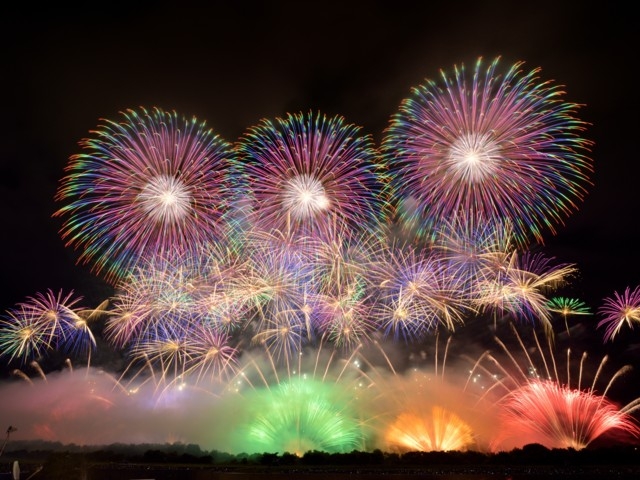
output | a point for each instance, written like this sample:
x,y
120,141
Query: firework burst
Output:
x,y
311,406
309,171
417,294
45,322
420,407
558,416
494,146
568,307
519,287
153,182
541,406
618,311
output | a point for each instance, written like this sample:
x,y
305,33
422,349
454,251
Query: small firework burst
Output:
x,y
619,310
45,322
520,286
568,307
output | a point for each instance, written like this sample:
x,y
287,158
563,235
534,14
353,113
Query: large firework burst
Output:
x,y
150,183
312,405
309,171
542,406
489,146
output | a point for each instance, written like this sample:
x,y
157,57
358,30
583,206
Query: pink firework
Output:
x,y
309,171
490,145
618,311
557,416
545,404
151,183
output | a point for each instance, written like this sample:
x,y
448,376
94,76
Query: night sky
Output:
x,y
233,63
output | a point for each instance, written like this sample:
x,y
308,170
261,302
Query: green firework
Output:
x,y
300,415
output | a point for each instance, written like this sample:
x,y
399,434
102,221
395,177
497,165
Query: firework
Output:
x,y
310,407
558,416
419,407
568,307
619,310
474,252
436,430
309,171
417,294
491,145
22,336
153,182
45,322
519,287
276,287
541,406
156,292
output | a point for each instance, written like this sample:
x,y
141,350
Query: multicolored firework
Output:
x,y
45,322
519,286
151,183
418,294
489,146
307,171
267,300
619,310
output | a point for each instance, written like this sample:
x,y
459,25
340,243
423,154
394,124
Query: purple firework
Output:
x,y
619,310
44,322
308,171
491,147
153,182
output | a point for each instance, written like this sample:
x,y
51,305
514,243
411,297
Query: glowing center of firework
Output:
x,y
165,199
304,196
26,333
438,430
474,157
401,313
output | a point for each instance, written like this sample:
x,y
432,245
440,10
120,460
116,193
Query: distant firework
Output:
x,y
619,310
568,307
489,146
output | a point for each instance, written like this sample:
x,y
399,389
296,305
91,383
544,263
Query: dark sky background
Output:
x,y
233,63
